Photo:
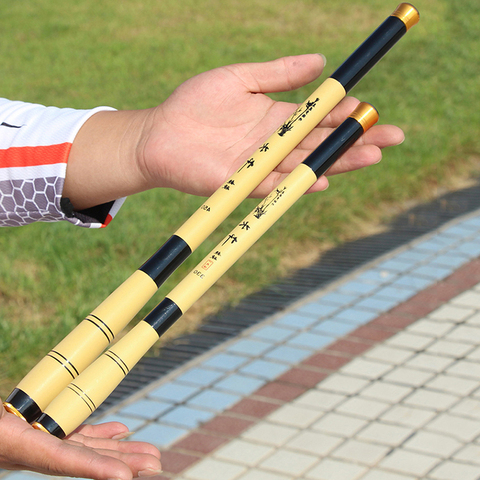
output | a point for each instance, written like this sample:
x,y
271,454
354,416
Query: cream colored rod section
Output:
x,y
80,399
93,335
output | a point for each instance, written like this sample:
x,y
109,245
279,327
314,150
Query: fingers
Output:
x,y
92,437
141,458
103,430
22,447
287,73
380,135
345,107
365,152
375,139
113,453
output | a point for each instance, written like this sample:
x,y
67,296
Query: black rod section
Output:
x,y
166,259
369,52
338,142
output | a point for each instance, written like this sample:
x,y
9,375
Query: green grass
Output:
x,y
132,54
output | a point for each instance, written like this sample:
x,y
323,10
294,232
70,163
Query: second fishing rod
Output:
x,y
71,356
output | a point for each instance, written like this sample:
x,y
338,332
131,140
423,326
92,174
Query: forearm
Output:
x,y
103,162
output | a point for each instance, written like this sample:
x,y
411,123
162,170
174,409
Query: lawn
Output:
x,y
132,54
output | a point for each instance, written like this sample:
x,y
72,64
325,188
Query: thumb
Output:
x,y
282,74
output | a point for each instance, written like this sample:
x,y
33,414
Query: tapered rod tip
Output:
x,y
408,14
366,115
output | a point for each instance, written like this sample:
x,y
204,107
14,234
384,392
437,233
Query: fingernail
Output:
x,y
121,436
324,59
149,472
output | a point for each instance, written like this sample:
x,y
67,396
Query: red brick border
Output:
x,y
247,412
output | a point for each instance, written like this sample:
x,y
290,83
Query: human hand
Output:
x,y
213,122
202,134
90,452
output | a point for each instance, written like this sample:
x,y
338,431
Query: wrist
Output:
x,y
103,163
155,148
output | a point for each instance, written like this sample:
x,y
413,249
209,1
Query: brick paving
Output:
x,y
376,376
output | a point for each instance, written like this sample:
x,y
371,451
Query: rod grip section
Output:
x,y
81,346
83,396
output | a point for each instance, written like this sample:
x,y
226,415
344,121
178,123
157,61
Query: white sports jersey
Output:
x,y
35,142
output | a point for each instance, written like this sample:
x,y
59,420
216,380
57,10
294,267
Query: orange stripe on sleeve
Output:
x,y
35,156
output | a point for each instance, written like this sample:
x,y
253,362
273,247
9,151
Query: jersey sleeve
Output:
x,y
35,142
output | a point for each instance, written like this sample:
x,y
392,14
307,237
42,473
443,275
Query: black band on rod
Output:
x,y
369,52
163,316
325,155
49,424
24,404
166,259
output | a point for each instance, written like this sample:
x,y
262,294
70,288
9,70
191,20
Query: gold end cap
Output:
x,y
11,409
366,115
408,14
39,426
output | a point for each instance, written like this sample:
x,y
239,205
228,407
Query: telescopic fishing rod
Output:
x,y
83,396
85,343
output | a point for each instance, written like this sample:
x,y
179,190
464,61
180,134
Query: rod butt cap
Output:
x,y
22,405
48,425
11,409
39,426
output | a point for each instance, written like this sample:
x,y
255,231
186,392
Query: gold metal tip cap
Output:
x,y
39,426
366,115
11,409
408,14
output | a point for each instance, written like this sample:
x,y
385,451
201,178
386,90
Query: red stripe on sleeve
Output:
x,y
34,156
107,221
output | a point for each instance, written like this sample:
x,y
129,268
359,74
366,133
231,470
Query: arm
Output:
x,y
203,132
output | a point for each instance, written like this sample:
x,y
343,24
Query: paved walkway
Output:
x,y
376,377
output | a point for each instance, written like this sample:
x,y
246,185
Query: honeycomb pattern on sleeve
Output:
x,y
35,142
31,200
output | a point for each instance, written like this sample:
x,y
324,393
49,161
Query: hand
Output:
x,y
213,122
204,132
90,452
